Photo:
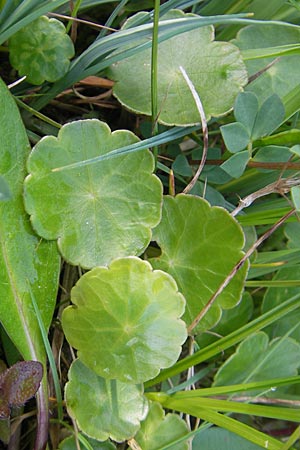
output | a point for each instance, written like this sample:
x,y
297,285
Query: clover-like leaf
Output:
x,y
133,312
41,50
200,246
104,408
158,430
283,77
97,212
257,359
215,68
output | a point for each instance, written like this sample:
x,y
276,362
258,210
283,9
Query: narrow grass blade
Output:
x,y
162,138
49,355
228,341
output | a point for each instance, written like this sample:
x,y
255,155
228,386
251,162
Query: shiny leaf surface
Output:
x,y
98,212
104,408
213,67
134,312
200,245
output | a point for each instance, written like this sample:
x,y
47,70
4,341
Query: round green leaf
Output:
x,y
215,68
158,430
133,312
41,50
70,444
97,212
257,359
200,246
104,408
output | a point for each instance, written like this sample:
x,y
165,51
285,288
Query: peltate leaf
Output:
x,y
70,444
158,430
24,257
215,68
257,359
41,50
200,246
98,212
104,408
134,312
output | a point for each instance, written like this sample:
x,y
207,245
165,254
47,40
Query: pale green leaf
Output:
x,y
200,246
257,359
236,164
295,193
24,257
41,50
97,212
236,136
272,153
159,430
246,109
292,232
104,408
295,149
134,312
213,67
270,115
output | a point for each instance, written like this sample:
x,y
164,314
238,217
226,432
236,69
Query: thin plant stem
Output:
x,y
204,130
86,22
37,114
49,354
294,437
111,18
73,14
154,74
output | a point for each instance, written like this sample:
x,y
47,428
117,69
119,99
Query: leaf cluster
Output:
x,y
152,224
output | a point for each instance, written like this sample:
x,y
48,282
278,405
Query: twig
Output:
x,y
236,268
204,130
75,19
281,186
263,70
